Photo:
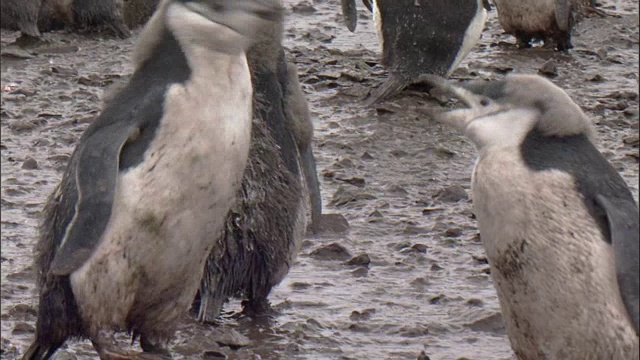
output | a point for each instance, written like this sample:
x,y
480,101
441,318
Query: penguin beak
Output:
x,y
477,105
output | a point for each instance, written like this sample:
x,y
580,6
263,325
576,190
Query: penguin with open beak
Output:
x,y
420,37
127,232
265,227
557,221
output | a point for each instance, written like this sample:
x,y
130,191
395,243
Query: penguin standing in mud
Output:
x,y
126,234
547,20
84,14
267,224
20,15
558,223
420,37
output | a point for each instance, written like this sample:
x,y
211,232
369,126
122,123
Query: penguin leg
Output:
x,y
257,307
106,346
562,41
155,345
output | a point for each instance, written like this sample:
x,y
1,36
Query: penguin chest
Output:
x,y
553,271
526,16
169,208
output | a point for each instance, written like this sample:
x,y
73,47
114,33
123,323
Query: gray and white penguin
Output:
x,y
127,232
557,221
266,225
420,37
548,20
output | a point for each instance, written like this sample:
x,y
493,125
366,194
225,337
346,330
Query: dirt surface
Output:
x,y
400,179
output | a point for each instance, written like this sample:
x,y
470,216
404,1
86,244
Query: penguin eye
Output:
x,y
485,102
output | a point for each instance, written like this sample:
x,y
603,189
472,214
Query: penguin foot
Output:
x,y
27,41
392,86
257,308
154,346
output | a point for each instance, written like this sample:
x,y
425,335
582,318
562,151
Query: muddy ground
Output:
x,y
400,179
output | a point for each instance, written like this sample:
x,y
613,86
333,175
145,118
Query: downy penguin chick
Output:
x,y
20,15
266,225
127,232
420,37
547,20
84,15
558,223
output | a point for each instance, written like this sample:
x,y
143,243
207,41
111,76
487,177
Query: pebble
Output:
x,y
453,232
333,251
415,230
421,248
451,194
333,223
30,164
492,323
423,356
359,260
23,328
360,272
213,354
233,339
363,315
549,69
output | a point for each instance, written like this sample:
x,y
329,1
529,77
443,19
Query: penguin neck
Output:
x,y
166,60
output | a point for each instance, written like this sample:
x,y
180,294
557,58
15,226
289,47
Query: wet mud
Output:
x,y
399,268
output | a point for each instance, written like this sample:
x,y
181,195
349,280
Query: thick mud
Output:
x,y
400,179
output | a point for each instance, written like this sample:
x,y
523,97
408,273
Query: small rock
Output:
x,y
549,69
23,310
376,215
423,356
303,8
333,251
436,267
300,285
453,232
362,259
360,272
30,164
436,299
596,78
415,230
366,156
421,248
453,193
355,181
481,259
632,140
23,328
475,302
363,315
333,223
399,153
402,245
492,323
233,339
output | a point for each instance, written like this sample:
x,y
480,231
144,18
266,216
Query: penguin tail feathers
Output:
x,y
392,86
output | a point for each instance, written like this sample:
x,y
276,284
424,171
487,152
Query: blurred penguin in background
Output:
x,y
420,37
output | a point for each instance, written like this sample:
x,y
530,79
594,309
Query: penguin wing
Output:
x,y
563,12
96,173
350,14
622,218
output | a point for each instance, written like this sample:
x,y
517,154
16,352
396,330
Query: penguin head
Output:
x,y
502,112
228,26
245,17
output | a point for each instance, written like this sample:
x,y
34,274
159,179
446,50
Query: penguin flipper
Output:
x,y
350,14
392,86
622,217
96,174
563,12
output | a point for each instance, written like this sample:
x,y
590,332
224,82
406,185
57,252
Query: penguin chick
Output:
x,y
558,223
547,20
126,234
266,225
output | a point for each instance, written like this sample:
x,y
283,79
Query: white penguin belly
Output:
x,y
471,36
168,210
526,15
553,271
